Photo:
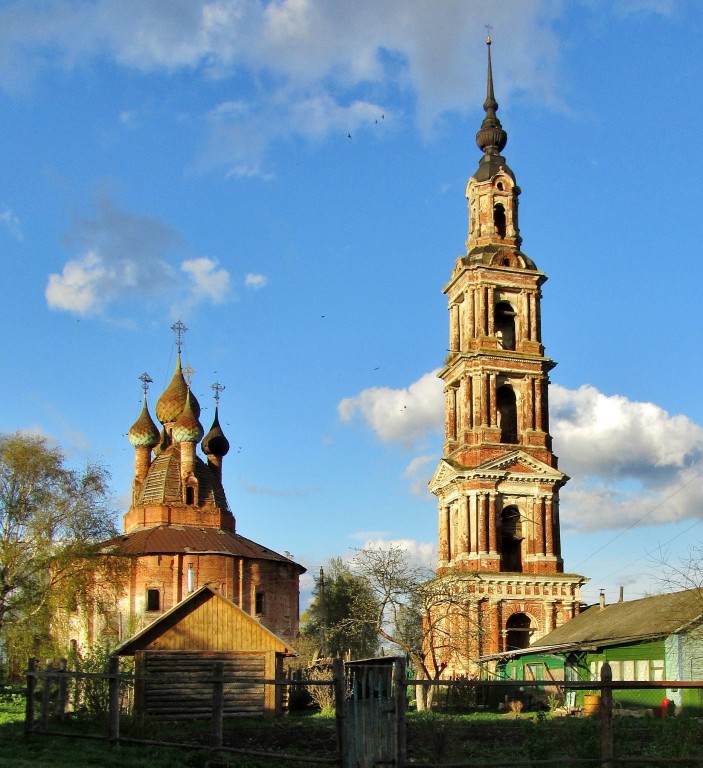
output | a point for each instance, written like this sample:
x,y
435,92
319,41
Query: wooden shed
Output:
x,y
174,659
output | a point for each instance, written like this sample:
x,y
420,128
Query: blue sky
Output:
x,y
193,160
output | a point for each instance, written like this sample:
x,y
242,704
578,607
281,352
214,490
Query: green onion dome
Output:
x,y
187,428
144,432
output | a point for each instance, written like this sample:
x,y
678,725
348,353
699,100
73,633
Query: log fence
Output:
x,y
47,688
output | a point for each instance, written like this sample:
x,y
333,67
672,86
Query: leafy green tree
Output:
x,y
340,618
52,520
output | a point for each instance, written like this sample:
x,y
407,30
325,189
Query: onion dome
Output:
x,y
144,432
187,428
172,401
215,443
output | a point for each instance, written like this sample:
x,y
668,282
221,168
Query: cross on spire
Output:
x,y
188,373
179,329
488,36
217,388
145,380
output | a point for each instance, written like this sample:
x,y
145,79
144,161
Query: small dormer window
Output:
x,y
499,220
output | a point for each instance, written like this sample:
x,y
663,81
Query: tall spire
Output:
x,y
491,137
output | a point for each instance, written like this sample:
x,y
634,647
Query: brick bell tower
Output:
x,y
498,481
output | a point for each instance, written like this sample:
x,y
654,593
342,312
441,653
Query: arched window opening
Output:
x,y
190,495
511,540
499,220
507,414
153,600
519,628
505,325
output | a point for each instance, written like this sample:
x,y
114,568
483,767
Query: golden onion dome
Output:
x,y
172,401
187,428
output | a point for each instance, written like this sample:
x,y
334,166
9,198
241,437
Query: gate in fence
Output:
x,y
373,720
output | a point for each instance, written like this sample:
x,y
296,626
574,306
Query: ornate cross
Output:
x,y
179,329
145,380
188,373
217,388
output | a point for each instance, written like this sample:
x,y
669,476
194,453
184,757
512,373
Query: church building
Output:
x,y
498,481
180,533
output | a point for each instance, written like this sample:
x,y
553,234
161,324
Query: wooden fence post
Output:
x,y
114,699
401,703
339,705
45,699
218,703
61,697
606,716
31,690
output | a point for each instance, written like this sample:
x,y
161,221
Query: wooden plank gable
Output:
x,y
204,621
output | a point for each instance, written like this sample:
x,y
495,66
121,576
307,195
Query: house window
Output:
x,y
259,602
153,600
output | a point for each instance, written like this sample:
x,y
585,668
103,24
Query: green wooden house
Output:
x,y
654,638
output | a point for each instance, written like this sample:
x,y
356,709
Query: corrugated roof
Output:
x,y
170,539
649,617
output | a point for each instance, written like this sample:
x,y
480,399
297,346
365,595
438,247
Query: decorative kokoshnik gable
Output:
x,y
179,532
498,481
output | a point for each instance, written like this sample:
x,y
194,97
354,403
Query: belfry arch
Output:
x,y
506,404
518,631
511,539
504,322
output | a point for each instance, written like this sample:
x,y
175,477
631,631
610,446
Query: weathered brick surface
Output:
x,y
498,481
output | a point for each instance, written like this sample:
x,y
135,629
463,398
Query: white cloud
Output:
x,y
420,553
255,282
309,67
403,416
419,471
124,256
613,437
629,461
79,287
645,7
12,224
207,282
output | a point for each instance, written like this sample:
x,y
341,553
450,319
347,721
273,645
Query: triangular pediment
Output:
x,y
516,463
521,463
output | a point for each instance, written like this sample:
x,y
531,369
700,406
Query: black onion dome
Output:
x,y
215,443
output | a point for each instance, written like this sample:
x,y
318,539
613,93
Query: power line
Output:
x,y
640,519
